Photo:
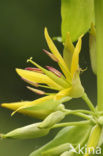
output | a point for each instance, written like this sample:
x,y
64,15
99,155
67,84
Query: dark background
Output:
x,y
21,36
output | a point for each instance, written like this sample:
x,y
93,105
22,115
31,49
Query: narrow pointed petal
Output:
x,y
55,71
51,55
17,105
55,51
39,108
35,77
68,51
75,58
37,91
36,103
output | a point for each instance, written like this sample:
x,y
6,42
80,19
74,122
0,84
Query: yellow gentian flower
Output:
x,y
66,85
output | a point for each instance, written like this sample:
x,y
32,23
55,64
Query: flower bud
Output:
x,y
26,132
52,119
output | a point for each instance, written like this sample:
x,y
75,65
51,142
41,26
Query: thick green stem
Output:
x,y
99,45
88,102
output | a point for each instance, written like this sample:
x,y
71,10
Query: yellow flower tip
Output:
x,y
19,71
3,105
45,30
13,106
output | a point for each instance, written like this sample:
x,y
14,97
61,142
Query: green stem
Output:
x,y
82,115
71,124
89,103
78,113
99,47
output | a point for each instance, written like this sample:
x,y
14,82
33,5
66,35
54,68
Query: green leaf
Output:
x,y
77,16
72,135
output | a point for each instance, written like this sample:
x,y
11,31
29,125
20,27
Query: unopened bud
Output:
x,y
52,119
27,132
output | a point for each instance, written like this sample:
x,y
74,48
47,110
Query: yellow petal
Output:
x,y
63,93
68,50
16,105
38,78
41,107
75,58
55,51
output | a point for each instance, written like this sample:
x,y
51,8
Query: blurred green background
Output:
x,y
21,36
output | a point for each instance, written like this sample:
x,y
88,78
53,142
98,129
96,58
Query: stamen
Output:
x,y
37,91
34,63
34,69
52,56
30,82
59,80
55,71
